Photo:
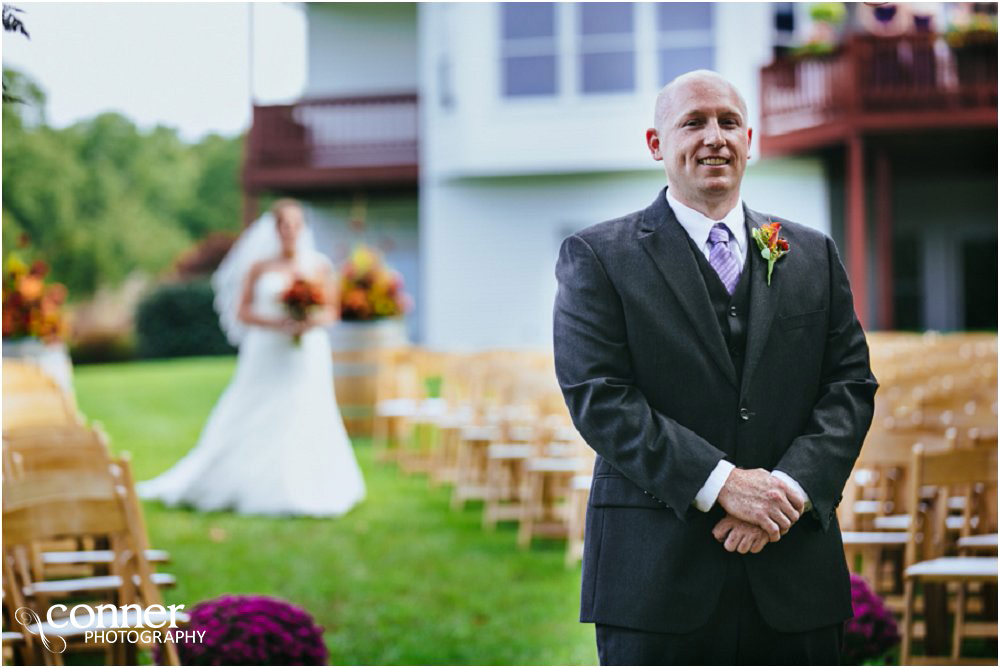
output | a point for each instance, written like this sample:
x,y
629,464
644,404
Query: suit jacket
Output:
x,y
650,385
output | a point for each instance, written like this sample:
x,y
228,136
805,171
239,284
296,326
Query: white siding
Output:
x,y
361,48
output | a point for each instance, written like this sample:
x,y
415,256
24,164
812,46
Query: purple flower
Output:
x,y
251,630
872,631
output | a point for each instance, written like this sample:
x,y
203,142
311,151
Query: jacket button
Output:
x,y
744,414
732,311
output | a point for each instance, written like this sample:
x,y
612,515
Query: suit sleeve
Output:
x,y
822,457
593,365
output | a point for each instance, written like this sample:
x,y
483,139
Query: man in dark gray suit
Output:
x,y
727,401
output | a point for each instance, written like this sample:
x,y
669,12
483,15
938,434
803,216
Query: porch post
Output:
x,y
250,204
883,237
855,226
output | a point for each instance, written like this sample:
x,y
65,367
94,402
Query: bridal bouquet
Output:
x,y
300,299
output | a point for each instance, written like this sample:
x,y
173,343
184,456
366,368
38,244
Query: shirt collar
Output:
x,y
698,225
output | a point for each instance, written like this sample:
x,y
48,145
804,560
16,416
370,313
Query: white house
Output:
x,y
474,137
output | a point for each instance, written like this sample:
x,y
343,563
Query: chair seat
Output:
x,y
556,449
866,507
432,409
131,620
97,557
522,433
565,434
554,465
874,537
396,408
983,540
509,451
955,568
96,583
480,433
902,522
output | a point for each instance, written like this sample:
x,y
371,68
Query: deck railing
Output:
x,y
340,139
869,76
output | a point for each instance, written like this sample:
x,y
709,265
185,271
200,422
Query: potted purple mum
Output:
x,y
872,631
251,631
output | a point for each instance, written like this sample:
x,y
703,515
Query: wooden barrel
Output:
x,y
355,367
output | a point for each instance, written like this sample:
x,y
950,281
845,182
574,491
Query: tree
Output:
x,y
103,198
12,23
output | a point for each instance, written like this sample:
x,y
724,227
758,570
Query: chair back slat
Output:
x,y
50,505
959,467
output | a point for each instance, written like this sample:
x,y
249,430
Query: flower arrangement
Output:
x,y
251,630
972,29
872,631
30,307
300,299
370,290
824,35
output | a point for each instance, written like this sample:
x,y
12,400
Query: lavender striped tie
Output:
x,y
721,258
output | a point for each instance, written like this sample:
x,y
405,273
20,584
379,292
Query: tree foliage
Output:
x,y
103,198
12,23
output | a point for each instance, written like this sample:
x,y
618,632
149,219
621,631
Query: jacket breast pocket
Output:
x,y
617,491
799,320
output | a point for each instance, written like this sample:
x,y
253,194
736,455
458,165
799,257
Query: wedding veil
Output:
x,y
259,241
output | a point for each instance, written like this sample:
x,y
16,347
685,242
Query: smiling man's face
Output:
x,y
703,140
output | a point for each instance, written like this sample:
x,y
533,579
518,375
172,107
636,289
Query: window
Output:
x,y
529,48
684,38
784,28
607,47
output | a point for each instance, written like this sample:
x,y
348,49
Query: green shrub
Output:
x,y
178,320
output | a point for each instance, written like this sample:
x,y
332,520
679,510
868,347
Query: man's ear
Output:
x,y
653,143
749,140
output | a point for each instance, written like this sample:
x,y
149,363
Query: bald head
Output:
x,y
696,78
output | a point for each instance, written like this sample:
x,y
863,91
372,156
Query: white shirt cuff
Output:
x,y
796,487
709,492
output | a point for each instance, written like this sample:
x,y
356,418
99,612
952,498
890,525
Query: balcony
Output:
x,y
878,85
333,144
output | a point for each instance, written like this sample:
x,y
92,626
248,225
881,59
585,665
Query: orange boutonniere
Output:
x,y
772,248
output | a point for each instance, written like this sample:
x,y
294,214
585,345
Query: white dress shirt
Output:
x,y
698,226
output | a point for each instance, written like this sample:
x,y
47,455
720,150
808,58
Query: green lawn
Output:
x,y
399,580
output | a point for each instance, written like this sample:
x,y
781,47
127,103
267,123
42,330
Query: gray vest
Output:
x,y
731,311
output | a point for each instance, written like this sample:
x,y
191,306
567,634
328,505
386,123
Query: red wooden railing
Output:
x,y
871,80
340,140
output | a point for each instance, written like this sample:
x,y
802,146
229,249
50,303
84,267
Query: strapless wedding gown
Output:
x,y
275,443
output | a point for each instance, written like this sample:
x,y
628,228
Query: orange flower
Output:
x,y
31,287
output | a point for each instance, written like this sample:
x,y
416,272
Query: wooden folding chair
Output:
x,y
548,485
396,399
70,451
52,505
927,546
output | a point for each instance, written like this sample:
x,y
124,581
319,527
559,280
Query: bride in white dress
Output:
x,y
275,443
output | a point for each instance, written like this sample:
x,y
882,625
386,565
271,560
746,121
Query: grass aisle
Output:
x,y
399,580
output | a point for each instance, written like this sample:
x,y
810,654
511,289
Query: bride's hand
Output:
x,y
290,326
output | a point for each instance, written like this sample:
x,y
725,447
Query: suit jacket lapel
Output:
x,y
666,242
764,300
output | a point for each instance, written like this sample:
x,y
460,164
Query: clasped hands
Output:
x,y
760,509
